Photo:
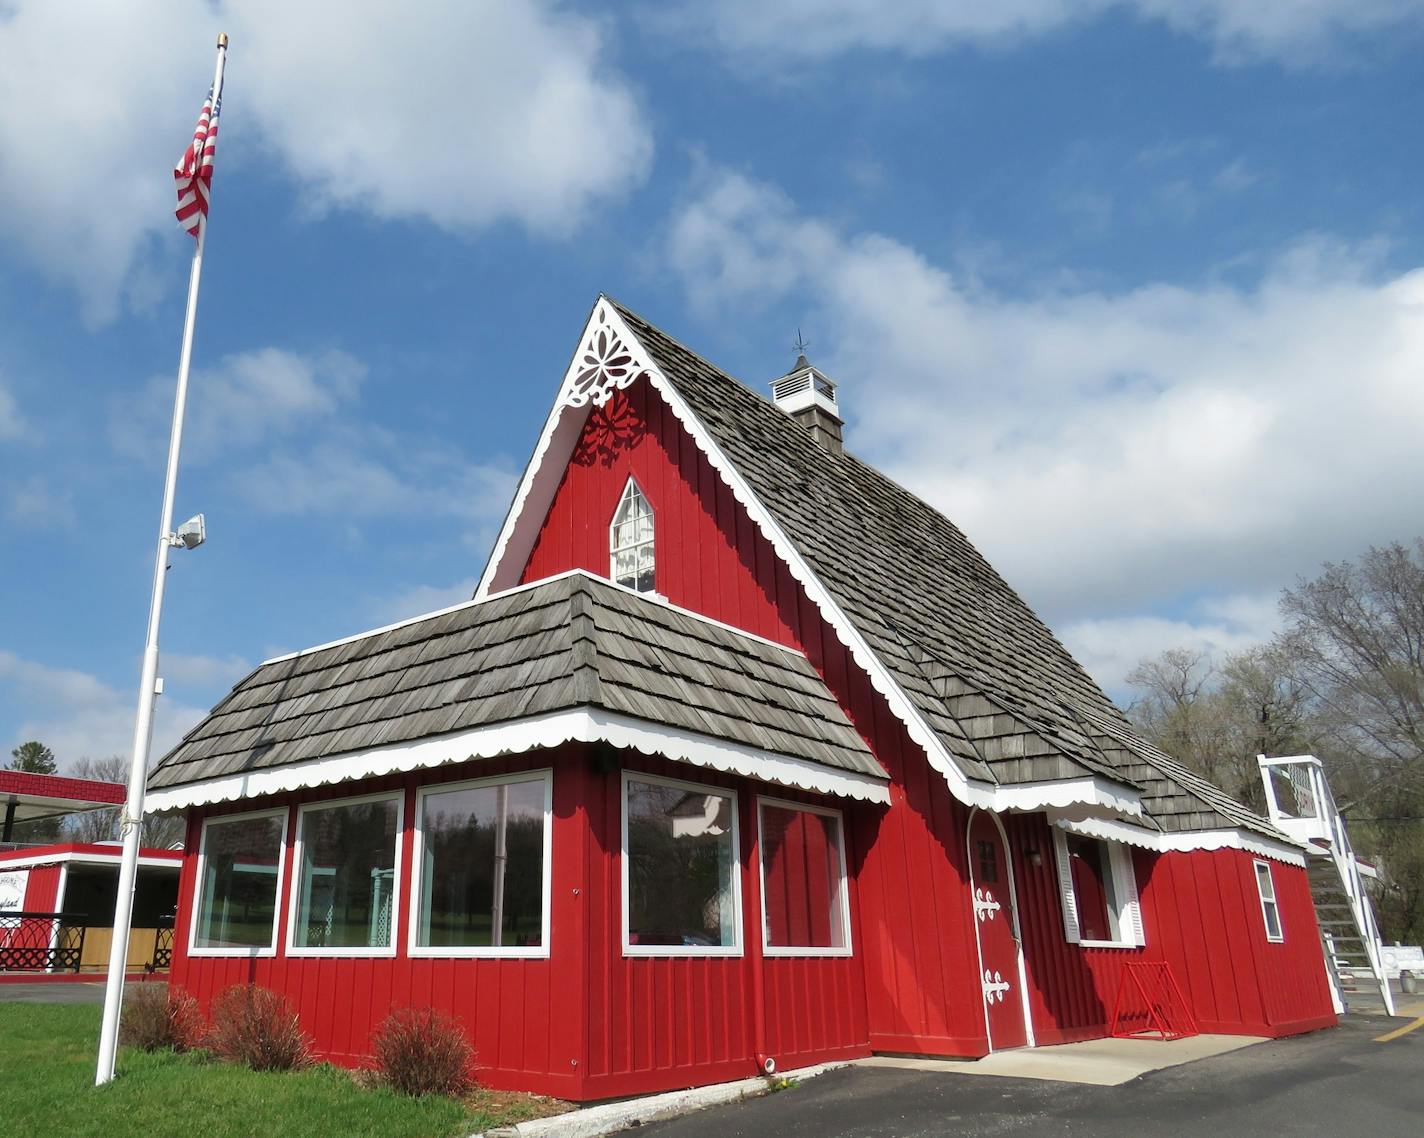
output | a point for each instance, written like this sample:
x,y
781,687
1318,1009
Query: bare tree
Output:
x,y
161,831
1356,634
1204,717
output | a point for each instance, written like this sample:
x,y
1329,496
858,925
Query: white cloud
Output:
x,y
421,599
1110,647
1106,450
204,672
1292,31
242,401
77,715
457,114
364,472
32,502
12,426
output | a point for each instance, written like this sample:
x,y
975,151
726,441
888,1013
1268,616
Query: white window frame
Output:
x,y
294,888
736,947
1124,882
219,819
417,868
614,549
767,948
1257,864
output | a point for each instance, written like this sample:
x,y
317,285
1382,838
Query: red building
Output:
x,y
740,753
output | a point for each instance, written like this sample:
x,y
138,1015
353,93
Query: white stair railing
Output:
x,y
1309,814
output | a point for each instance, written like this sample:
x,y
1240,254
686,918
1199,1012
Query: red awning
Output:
x,y
26,797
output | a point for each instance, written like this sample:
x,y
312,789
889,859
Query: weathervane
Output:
x,y
800,344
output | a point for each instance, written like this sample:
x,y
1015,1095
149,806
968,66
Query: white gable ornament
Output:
x,y
605,365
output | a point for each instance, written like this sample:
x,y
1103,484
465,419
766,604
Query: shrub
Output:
x,y
422,1051
258,1027
156,1017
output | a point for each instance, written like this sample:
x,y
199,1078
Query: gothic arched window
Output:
x,y
630,541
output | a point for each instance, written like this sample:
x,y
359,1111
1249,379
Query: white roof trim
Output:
x,y
69,857
583,725
1068,792
536,493
1114,831
479,600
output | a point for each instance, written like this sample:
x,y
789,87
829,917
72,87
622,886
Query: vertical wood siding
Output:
x,y
917,952
591,1023
42,888
1202,916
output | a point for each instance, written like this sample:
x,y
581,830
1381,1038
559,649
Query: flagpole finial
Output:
x,y
222,39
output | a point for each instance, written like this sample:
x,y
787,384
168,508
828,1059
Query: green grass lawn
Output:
x,y
47,1054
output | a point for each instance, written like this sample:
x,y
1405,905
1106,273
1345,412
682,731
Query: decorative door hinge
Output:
x,y
994,987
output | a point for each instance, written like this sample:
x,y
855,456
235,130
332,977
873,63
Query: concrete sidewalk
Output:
x,y
1096,1062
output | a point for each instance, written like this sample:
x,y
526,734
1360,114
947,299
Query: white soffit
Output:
x,y
587,384
1184,842
583,725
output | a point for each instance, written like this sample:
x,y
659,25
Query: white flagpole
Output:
x,y
148,682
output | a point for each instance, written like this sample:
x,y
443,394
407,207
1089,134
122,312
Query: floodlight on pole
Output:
x,y
190,534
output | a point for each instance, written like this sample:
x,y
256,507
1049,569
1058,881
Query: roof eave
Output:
x,y
523,736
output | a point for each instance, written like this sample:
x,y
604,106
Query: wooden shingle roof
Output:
x,y
1006,699
572,642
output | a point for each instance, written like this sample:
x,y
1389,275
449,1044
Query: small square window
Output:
x,y
482,868
988,863
240,869
344,901
681,872
1098,889
804,903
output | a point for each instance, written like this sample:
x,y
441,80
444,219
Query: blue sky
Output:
x,y
1133,291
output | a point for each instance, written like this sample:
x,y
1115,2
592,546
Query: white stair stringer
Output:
x,y
1301,804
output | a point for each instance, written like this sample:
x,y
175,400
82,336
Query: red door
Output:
x,y
995,925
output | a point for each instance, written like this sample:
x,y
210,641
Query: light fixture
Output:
x,y
190,534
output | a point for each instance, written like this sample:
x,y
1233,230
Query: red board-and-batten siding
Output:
x,y
1200,908
913,942
589,1022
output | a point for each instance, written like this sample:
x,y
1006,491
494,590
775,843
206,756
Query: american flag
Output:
x,y
194,172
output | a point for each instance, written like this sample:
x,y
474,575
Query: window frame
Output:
x,y
768,949
1131,933
417,870
614,549
294,886
738,946
1257,864
194,949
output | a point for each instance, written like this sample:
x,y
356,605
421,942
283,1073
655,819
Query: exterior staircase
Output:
x,y
1301,805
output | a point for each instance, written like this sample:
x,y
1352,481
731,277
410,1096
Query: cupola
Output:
x,y
809,397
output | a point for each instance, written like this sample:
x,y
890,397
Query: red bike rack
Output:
x,y
1149,1002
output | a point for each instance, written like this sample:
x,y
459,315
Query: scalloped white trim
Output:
x,y
563,425
585,725
1068,792
1114,831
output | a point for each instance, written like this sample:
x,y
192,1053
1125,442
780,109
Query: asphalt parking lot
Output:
x,y
1336,1082
53,993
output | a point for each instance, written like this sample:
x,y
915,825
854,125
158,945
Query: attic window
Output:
x,y
630,541
1098,888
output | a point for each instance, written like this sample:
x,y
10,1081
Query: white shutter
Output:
x,y
1065,887
1130,918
